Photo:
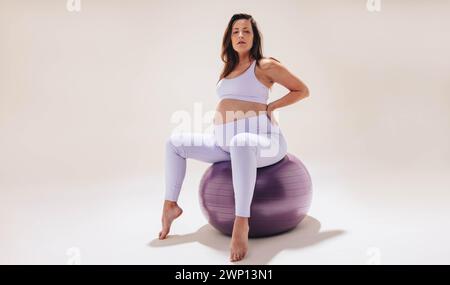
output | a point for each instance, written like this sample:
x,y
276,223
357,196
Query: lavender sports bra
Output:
x,y
243,87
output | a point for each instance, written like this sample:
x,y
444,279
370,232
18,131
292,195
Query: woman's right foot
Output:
x,y
171,211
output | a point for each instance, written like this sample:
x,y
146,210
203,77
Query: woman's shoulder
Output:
x,y
267,62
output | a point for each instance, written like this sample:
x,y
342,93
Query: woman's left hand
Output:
x,y
270,114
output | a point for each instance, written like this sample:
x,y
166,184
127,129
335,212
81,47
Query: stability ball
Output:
x,y
281,198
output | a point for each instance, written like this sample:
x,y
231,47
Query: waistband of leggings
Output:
x,y
273,128
246,118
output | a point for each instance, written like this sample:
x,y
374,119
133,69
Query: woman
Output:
x,y
243,90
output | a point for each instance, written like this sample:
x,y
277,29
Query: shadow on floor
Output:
x,y
261,250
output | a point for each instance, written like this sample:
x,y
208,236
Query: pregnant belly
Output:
x,y
229,110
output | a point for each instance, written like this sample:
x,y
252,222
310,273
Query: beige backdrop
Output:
x,y
87,96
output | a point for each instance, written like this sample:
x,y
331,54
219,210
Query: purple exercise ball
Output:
x,y
282,197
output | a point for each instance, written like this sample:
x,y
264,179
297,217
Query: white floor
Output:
x,y
397,219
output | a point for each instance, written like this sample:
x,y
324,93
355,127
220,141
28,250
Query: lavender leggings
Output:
x,y
249,143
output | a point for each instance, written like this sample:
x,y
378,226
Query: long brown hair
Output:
x,y
229,56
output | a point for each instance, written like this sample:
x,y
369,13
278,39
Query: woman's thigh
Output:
x,y
269,147
198,146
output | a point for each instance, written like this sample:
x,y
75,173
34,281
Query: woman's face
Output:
x,y
242,35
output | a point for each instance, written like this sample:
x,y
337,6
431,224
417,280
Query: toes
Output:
x,y
235,257
162,234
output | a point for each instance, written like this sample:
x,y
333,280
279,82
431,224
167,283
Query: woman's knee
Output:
x,y
177,142
176,139
244,139
243,142
274,153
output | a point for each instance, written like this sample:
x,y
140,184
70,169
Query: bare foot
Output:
x,y
171,211
239,239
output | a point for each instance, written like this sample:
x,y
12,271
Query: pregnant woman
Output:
x,y
245,131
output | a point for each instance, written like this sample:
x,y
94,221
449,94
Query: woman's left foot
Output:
x,y
239,239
